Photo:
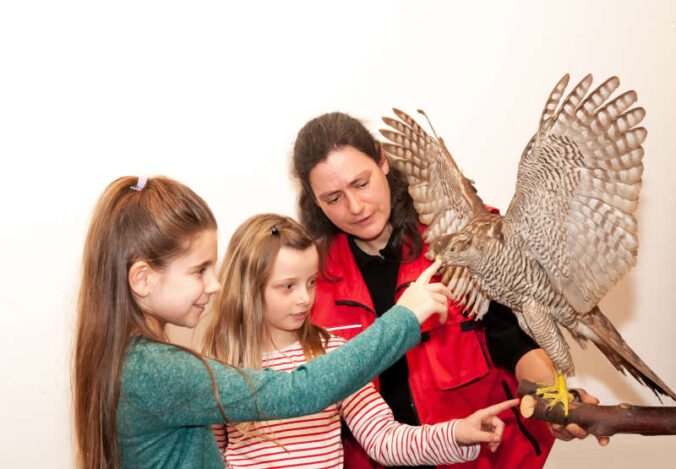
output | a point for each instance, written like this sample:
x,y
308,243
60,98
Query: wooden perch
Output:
x,y
597,419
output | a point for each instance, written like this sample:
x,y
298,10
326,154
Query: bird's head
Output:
x,y
457,249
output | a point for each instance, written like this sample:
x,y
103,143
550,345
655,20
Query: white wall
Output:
x,y
213,94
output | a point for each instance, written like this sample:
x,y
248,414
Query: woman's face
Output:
x,y
353,192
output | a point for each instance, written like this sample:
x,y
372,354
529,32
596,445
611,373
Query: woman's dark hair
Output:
x,y
333,131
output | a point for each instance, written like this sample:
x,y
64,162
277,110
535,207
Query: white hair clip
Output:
x,y
141,183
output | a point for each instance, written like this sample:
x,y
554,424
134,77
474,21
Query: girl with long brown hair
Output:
x,y
149,260
262,320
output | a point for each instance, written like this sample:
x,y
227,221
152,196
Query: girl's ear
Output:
x,y
140,278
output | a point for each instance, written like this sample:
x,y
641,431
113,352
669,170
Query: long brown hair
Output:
x,y
237,330
130,222
333,131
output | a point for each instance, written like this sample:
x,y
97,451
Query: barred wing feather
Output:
x,y
577,189
444,199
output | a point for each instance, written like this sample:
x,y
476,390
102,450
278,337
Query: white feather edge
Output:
x,y
465,292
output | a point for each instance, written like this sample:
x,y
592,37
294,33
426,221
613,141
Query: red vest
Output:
x,y
450,372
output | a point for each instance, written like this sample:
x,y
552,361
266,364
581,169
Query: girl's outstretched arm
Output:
x,y
391,443
166,386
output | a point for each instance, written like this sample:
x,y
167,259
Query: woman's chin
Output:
x,y
371,232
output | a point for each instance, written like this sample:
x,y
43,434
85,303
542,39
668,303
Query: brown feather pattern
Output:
x,y
569,234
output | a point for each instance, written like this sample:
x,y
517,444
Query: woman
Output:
x,y
359,208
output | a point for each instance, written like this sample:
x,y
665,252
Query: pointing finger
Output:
x,y
429,272
497,408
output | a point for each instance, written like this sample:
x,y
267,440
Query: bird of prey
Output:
x,y
568,235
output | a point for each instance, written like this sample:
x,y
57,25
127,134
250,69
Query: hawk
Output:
x,y
568,235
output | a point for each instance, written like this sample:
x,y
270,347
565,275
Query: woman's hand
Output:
x,y
537,367
483,426
572,431
425,298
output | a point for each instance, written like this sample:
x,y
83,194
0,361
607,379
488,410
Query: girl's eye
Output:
x,y
312,282
364,184
332,200
201,271
287,286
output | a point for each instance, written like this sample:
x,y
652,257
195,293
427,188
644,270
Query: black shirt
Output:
x,y
380,275
507,343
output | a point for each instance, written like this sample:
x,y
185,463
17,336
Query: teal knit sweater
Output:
x,y
167,403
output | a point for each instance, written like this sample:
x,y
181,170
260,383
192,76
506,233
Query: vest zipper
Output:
x,y
519,423
410,393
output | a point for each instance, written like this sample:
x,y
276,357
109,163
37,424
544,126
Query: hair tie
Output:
x,y
141,183
274,231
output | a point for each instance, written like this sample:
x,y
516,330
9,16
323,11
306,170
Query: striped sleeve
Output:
x,y
394,444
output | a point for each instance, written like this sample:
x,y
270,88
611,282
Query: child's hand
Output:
x,y
483,426
425,298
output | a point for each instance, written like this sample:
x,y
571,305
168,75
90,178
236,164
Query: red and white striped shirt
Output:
x,y
313,441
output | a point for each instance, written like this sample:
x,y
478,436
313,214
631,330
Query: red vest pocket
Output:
x,y
448,357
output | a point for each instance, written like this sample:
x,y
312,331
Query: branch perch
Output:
x,y
597,419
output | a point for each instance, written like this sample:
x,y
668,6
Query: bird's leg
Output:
x,y
541,324
556,392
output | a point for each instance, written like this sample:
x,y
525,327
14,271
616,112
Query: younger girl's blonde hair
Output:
x,y
237,330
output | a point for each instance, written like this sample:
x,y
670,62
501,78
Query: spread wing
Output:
x,y
443,197
577,189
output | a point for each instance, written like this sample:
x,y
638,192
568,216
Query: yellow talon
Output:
x,y
557,393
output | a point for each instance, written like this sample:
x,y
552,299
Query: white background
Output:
x,y
212,93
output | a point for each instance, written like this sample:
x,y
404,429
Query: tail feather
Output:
x,y
596,327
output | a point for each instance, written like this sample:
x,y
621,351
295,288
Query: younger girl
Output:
x,y
140,402
262,320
